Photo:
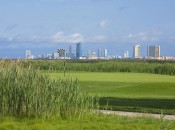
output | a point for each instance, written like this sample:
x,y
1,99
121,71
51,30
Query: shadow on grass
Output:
x,y
138,105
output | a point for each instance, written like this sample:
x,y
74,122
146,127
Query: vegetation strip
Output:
x,y
140,66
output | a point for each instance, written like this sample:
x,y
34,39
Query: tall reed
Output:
x,y
28,93
154,67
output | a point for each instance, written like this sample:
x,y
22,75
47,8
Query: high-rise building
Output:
x,y
100,52
70,49
136,51
105,53
126,54
153,51
28,54
71,55
78,50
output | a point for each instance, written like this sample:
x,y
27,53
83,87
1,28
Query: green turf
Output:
x,y
128,91
118,77
91,122
125,85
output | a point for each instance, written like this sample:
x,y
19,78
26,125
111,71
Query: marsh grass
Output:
x,y
25,92
134,66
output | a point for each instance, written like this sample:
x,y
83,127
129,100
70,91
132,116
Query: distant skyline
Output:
x,y
43,26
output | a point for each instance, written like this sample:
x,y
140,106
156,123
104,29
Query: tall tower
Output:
x,y
70,49
136,51
153,51
105,53
126,54
28,54
78,50
99,52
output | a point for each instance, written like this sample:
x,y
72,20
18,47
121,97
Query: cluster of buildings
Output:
x,y
102,54
153,52
58,55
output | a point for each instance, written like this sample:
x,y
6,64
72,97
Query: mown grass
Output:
x,y
125,85
114,76
89,122
129,91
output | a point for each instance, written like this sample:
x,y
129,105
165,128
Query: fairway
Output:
x,y
124,85
116,77
138,92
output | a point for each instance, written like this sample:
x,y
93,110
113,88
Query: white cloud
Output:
x,y
15,38
152,36
103,23
60,37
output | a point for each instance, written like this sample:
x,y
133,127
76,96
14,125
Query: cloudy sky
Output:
x,y
43,26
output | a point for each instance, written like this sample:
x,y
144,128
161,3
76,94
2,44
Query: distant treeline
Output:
x,y
137,66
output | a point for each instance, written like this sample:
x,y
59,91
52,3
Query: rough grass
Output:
x,y
25,92
129,91
89,122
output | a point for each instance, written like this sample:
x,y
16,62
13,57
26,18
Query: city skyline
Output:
x,y
153,52
117,25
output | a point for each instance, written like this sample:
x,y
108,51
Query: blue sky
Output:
x,y
43,26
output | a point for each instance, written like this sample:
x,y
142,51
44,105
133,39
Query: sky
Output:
x,y
43,26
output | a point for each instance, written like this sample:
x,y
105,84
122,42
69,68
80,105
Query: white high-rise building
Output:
x,y
126,54
136,51
28,54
